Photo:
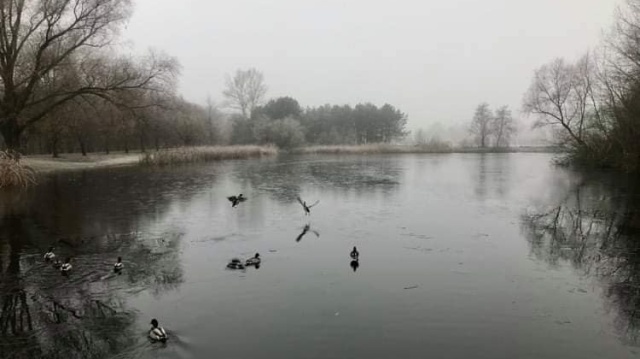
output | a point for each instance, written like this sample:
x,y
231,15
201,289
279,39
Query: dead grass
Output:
x,y
374,149
75,162
205,154
429,147
13,173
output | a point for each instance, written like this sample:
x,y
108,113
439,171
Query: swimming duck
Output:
x,y
66,266
49,255
57,264
306,207
236,200
354,253
157,333
255,261
117,268
235,264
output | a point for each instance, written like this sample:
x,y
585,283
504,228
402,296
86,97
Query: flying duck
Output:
x,y
236,200
306,207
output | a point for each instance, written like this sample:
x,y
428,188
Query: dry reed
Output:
x,y
13,173
204,154
374,149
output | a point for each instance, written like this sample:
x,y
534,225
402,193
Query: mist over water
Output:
x,y
461,255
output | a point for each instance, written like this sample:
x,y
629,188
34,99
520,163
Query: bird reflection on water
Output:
x,y
355,264
305,230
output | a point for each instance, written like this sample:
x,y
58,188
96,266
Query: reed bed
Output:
x,y
180,155
375,149
429,147
13,173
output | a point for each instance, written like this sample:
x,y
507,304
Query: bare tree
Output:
x,y
420,137
481,124
245,91
503,127
214,121
561,94
49,55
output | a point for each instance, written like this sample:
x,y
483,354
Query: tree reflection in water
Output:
x,y
596,228
84,315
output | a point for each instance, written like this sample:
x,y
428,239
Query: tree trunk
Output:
x,y
83,147
142,148
106,145
54,148
11,132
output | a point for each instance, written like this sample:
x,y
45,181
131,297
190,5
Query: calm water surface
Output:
x,y
462,256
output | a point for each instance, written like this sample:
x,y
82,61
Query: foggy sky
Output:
x,y
435,60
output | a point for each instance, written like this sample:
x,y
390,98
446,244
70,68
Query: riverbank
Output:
x,y
75,161
388,148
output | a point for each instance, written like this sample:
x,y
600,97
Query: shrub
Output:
x,y
13,173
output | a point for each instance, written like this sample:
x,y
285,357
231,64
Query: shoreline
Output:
x,y
410,149
44,164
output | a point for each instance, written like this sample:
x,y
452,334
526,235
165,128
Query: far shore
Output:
x,y
75,161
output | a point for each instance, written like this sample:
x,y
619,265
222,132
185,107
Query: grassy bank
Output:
x,y
388,148
204,154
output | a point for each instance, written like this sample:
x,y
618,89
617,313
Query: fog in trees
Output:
x,y
245,90
491,128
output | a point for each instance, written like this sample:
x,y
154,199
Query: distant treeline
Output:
x,y
594,103
100,127
284,123
65,88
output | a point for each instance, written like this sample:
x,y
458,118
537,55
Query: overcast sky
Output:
x,y
433,59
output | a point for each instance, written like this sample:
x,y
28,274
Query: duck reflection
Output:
x,y
86,315
305,230
355,264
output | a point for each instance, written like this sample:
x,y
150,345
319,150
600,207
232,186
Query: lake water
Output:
x,y
461,256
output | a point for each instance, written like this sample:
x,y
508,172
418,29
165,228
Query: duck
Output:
x,y
255,261
354,253
49,255
235,264
157,333
117,268
66,266
305,207
57,264
235,200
